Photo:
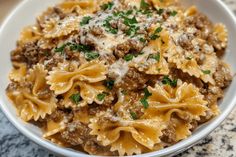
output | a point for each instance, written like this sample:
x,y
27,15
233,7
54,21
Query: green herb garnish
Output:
x,y
108,6
132,30
167,81
160,11
133,115
80,47
128,57
144,5
155,35
206,71
62,48
108,26
109,84
144,99
91,55
142,40
75,98
144,103
85,20
173,13
130,21
101,96
155,56
147,93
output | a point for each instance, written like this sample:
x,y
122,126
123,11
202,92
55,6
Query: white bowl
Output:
x,y
25,14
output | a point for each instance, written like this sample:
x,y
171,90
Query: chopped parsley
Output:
x,y
101,96
144,103
128,57
142,40
130,21
133,115
109,84
160,11
108,26
91,55
61,48
155,35
122,13
144,99
85,20
173,13
167,81
144,5
147,93
132,30
75,98
206,71
108,6
189,58
80,47
155,56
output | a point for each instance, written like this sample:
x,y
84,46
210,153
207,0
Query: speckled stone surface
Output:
x,y
222,142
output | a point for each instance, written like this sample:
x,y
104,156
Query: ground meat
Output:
x,y
122,49
169,135
122,26
96,31
16,55
216,43
76,133
202,23
213,94
187,78
185,41
51,13
44,93
96,108
129,46
29,53
92,147
222,75
109,58
133,80
53,62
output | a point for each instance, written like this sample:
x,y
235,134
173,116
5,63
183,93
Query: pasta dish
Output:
x,y
119,77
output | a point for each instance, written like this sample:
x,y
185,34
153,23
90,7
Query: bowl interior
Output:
x,y
25,14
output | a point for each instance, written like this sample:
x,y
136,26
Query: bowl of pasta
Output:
x,y
117,77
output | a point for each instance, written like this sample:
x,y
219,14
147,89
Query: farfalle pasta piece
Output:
x,y
88,93
62,78
162,3
221,34
18,72
128,136
182,129
53,128
191,11
55,28
53,133
29,34
81,7
29,101
190,65
186,101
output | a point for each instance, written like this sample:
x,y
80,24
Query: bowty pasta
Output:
x,y
28,101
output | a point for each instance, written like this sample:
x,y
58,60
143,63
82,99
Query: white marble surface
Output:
x,y
222,142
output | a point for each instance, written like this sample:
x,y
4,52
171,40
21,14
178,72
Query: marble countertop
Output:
x,y
222,142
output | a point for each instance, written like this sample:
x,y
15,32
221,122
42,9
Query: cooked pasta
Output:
x,y
119,77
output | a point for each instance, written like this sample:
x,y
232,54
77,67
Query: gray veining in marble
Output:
x,y
222,142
